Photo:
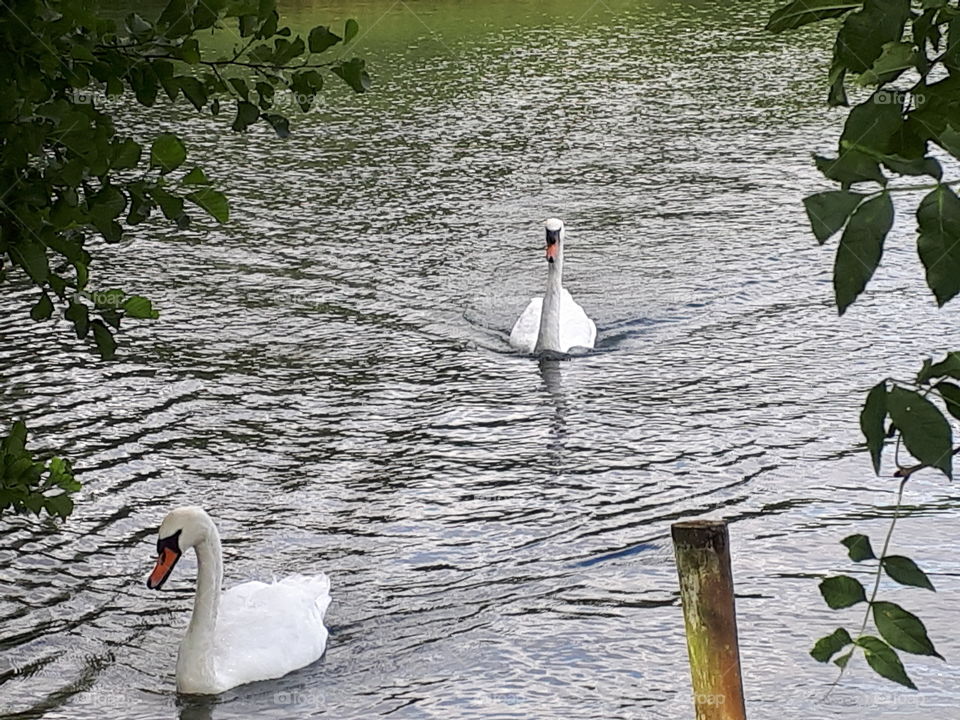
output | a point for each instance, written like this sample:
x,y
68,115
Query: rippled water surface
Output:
x,y
331,379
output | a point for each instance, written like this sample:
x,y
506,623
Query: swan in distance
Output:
x,y
555,322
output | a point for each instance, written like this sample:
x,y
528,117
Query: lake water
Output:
x,y
331,379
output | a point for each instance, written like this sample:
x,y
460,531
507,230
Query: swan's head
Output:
x,y
181,529
554,228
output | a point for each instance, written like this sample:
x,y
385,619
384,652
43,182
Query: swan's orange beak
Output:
x,y
552,251
161,571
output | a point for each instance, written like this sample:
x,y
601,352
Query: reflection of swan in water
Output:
x,y
554,323
196,707
552,375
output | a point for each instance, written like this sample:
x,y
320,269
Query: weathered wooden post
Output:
x,y
702,548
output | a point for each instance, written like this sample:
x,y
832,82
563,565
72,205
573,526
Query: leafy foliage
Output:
x,y
907,56
71,185
67,176
898,628
29,485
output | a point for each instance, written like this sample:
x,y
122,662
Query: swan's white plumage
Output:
x,y
268,630
576,328
566,324
253,631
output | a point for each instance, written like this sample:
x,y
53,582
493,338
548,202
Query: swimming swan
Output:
x,y
555,322
253,631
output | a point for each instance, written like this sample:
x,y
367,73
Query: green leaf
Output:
x,y
842,660
137,306
195,177
838,92
850,167
949,140
871,422
863,34
287,50
106,345
872,124
925,432
60,505
126,155
193,90
79,315
240,86
884,660
938,219
353,74
43,309
905,571
171,205
269,26
950,392
350,30
803,12
107,204
32,257
948,367
16,441
828,211
279,123
830,645
82,274
321,39
902,629
176,19
247,114
858,547
861,248
248,25
896,58
913,166
842,591
189,51
167,153
214,202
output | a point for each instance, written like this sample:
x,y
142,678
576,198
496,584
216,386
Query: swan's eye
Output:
x,y
171,541
553,236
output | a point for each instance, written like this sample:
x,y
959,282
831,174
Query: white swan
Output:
x,y
253,631
555,322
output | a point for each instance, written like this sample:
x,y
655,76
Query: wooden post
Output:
x,y
702,548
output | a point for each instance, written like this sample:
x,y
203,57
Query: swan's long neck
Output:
x,y
549,336
209,579
196,661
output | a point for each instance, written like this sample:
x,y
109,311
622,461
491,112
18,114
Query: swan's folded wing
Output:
x,y
525,331
267,630
576,328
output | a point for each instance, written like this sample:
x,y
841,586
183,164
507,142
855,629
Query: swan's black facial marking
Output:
x,y
171,541
553,243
